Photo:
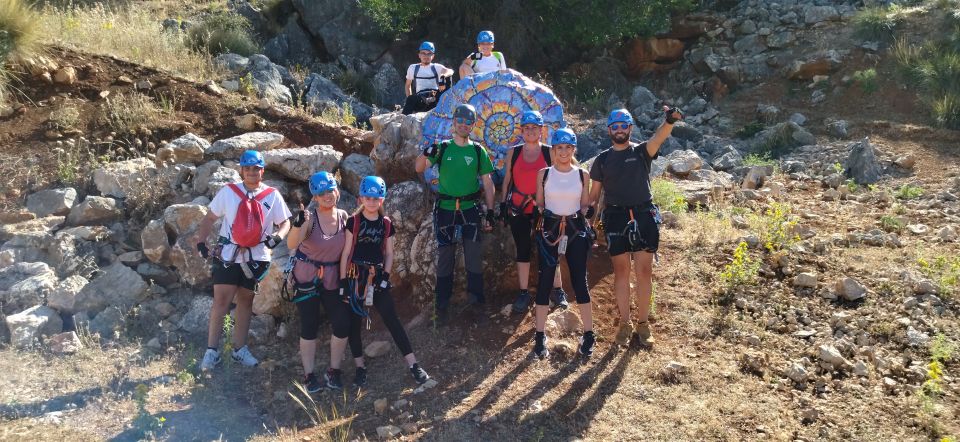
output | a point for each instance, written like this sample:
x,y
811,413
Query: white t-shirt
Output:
x,y
562,191
224,205
424,78
488,64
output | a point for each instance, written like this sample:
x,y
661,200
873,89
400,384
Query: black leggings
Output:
x,y
388,314
520,227
578,248
337,311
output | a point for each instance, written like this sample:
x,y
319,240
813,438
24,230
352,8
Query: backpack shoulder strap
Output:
x,y
436,75
236,189
543,182
545,150
443,147
477,150
499,57
264,194
516,155
416,71
581,174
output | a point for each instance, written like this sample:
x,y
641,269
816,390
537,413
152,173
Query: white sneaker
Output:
x,y
211,358
244,357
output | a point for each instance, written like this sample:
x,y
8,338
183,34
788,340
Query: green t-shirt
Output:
x,y
458,172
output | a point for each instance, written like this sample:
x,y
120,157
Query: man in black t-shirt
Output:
x,y
630,218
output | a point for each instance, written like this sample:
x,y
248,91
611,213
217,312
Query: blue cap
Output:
x,y
251,158
563,136
620,116
485,37
321,182
373,187
427,46
531,117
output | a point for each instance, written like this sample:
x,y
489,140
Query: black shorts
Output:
x,y
232,274
615,221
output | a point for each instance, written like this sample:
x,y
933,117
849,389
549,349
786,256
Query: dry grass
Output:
x,y
125,113
18,39
132,34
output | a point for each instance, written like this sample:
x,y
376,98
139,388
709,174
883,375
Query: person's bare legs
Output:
x,y
222,296
523,275
243,313
621,285
586,316
308,354
643,268
338,346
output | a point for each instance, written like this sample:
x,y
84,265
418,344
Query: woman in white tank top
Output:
x,y
563,192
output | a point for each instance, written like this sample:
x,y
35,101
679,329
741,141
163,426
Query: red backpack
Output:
x,y
247,229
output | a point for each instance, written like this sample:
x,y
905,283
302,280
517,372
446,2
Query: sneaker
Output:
x,y
333,379
540,347
211,358
623,334
244,357
522,304
587,342
419,374
312,384
559,298
643,332
360,377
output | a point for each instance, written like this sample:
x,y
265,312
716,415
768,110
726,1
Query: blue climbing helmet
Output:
x,y
427,46
485,37
373,187
563,136
321,182
531,117
465,111
252,158
620,116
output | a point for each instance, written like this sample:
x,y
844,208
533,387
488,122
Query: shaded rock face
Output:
x,y
862,165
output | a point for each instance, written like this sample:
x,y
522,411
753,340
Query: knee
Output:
x,y
340,327
308,330
644,270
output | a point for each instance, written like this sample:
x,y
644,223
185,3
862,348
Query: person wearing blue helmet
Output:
x,y
255,219
426,81
563,193
485,59
519,192
365,266
630,219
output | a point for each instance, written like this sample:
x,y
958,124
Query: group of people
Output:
x,y
427,80
341,262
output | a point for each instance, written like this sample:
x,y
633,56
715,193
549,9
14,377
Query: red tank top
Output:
x,y
525,180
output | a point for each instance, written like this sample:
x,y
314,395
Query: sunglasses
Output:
x,y
620,126
461,120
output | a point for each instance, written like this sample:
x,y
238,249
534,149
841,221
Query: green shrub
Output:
x,y
18,37
754,159
867,80
891,223
908,192
222,32
877,23
667,196
946,111
742,271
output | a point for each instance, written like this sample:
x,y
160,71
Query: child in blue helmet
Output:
x,y
425,81
365,272
485,59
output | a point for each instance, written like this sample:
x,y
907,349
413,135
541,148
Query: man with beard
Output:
x,y
629,217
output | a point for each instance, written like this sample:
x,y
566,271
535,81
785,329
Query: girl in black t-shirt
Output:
x,y
365,273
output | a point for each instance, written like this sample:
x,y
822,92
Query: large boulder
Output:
x,y
641,99
268,80
647,54
395,149
154,241
388,86
38,226
327,20
197,317
231,148
123,178
181,222
211,177
682,162
821,63
116,285
291,46
187,148
52,202
300,162
25,283
862,165
27,326
322,95
353,169
64,296
268,300
94,210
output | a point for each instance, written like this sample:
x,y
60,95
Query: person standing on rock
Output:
x,y
519,192
563,192
255,219
457,216
425,81
630,219
317,239
365,266
485,59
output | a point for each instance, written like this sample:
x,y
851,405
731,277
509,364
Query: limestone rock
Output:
x,y
188,148
64,296
27,326
197,318
123,178
353,169
94,210
65,343
118,286
23,284
52,202
302,162
850,289
231,148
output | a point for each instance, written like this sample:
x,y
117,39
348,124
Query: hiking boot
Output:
x,y
333,379
522,304
211,358
623,334
312,384
540,346
419,374
244,357
587,342
643,332
559,298
360,377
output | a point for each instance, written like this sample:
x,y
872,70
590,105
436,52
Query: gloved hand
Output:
x,y
502,208
382,280
476,55
272,241
670,112
491,218
590,212
204,251
344,289
299,218
431,150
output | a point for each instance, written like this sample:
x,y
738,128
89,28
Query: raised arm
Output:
x,y
663,132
